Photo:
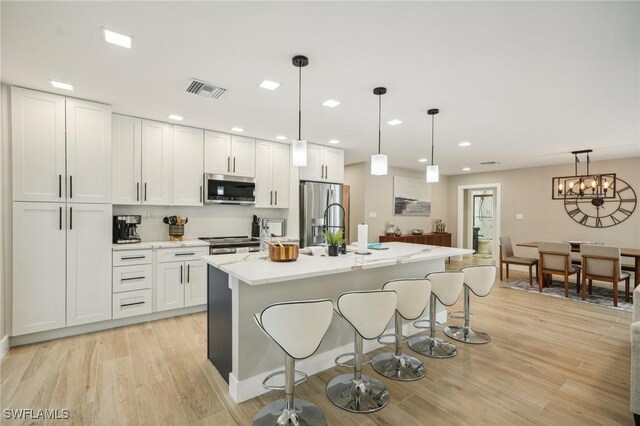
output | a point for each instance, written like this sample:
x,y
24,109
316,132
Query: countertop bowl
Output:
x,y
286,253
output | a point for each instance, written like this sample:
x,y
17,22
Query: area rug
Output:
x,y
601,296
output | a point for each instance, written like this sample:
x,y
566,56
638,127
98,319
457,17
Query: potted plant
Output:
x,y
334,240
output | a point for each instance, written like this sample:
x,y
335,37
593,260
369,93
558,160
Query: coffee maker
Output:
x,y
124,229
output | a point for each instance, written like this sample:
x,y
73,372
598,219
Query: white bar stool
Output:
x,y
369,313
412,295
445,287
298,328
479,280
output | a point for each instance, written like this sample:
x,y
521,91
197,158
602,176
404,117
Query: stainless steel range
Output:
x,y
226,245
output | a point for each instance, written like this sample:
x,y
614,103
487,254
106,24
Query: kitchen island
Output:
x,y
240,285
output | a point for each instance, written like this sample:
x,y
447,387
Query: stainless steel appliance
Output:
x,y
315,197
226,245
222,189
275,227
125,229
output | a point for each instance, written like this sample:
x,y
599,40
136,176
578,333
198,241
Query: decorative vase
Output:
x,y
333,250
398,232
390,229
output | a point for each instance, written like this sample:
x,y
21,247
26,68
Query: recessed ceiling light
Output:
x,y
281,138
331,103
464,143
58,85
269,85
422,160
394,122
466,169
117,38
334,141
176,117
237,129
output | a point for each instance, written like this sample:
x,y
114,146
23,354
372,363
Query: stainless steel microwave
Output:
x,y
222,189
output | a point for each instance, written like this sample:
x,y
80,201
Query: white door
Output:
x,y
88,263
264,174
38,145
157,163
195,288
88,152
315,167
187,166
169,291
127,159
39,234
243,152
217,153
281,175
333,160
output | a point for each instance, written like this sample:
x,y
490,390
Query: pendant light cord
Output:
x,y
379,120
299,103
432,132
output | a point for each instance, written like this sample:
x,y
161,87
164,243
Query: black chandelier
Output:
x,y
589,186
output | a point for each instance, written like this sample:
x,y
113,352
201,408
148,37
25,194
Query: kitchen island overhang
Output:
x,y
239,285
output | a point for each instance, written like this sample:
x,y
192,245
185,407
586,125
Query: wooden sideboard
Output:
x,y
434,239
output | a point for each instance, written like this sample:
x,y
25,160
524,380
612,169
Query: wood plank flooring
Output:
x,y
551,361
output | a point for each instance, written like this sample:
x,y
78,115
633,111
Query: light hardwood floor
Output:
x,y
551,361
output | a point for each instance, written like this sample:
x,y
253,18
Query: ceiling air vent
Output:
x,y
204,89
489,163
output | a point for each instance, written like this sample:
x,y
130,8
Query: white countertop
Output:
x,y
160,244
255,271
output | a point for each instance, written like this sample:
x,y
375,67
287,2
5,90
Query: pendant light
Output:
x,y
379,161
299,146
432,171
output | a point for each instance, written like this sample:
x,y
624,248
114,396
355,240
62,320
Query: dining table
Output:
x,y
633,253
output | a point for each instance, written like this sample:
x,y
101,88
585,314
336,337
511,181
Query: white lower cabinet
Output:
x,y
195,288
132,303
169,286
180,283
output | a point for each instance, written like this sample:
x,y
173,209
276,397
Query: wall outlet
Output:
x,y
372,215
519,216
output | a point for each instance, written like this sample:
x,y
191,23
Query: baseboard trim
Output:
x,y
99,326
243,390
4,346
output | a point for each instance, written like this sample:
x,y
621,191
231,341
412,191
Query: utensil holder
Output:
x,y
176,232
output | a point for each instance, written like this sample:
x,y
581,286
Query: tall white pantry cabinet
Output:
x,y
61,212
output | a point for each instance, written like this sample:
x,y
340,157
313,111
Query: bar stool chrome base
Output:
x,y
433,347
403,367
277,414
467,335
364,395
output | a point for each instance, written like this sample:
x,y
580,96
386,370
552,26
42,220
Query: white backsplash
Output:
x,y
205,221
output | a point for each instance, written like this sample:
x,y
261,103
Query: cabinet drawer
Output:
x,y
131,257
131,277
181,254
131,303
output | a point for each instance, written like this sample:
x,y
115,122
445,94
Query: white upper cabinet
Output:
x,y
324,164
157,163
88,152
88,263
229,154
217,153
127,159
38,145
187,166
39,234
272,175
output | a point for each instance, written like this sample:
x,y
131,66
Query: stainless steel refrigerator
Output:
x,y
315,197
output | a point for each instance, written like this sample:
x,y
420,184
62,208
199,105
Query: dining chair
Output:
x,y
602,263
507,257
555,259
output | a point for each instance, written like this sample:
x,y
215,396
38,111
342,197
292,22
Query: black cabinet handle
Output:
x,y
132,257
131,304
270,198
70,186
70,217
326,172
276,198
184,254
145,191
61,218
188,272
234,164
201,193
137,191
59,186
132,278
180,274
228,163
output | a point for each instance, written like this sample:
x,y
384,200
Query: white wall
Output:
x,y
528,191
378,199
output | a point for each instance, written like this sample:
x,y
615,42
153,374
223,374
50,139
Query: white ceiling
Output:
x,y
524,82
